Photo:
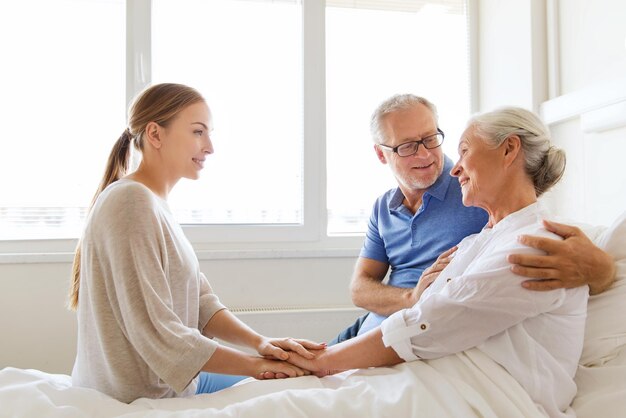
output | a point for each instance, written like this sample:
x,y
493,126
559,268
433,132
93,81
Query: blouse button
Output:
x,y
423,327
447,280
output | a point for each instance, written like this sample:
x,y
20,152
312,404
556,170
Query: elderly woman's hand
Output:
x,y
317,365
573,262
279,348
431,273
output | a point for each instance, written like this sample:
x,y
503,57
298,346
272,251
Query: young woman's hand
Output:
x,y
276,369
280,348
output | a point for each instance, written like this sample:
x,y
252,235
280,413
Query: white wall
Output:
x,y
35,328
511,53
39,332
592,42
593,189
592,77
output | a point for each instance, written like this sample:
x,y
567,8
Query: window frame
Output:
x,y
312,234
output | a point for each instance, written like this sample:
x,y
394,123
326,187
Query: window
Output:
x,y
246,58
417,47
62,104
291,84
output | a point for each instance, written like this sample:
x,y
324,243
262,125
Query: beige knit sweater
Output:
x,y
142,302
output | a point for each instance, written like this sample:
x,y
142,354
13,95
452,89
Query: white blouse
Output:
x,y
477,301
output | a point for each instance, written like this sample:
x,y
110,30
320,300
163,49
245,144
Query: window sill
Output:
x,y
235,254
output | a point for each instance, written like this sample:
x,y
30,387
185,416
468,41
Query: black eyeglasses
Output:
x,y
410,148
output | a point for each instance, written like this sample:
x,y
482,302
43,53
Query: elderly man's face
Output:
x,y
420,170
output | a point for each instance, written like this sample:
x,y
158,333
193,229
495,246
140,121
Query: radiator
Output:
x,y
317,324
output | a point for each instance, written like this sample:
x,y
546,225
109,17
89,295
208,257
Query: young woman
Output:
x,y
146,314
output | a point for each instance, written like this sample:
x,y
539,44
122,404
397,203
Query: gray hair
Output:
x,y
544,163
393,104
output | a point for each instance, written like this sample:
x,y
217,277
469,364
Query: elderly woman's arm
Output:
x,y
573,262
471,309
366,350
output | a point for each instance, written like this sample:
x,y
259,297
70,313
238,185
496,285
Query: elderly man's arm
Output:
x,y
573,262
370,293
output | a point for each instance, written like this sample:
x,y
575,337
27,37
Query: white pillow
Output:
x,y
605,333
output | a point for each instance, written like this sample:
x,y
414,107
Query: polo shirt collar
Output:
x,y
438,190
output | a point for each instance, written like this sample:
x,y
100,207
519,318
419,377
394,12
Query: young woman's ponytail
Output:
x,y
117,165
116,168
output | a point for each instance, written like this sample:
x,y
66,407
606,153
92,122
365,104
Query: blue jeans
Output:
x,y
212,382
350,332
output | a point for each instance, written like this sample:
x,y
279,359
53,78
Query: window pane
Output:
x,y
245,57
422,48
62,107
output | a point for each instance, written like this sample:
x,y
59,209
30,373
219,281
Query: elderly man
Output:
x,y
423,219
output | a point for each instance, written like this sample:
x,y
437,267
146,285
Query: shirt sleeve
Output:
x,y
209,303
374,246
467,311
140,291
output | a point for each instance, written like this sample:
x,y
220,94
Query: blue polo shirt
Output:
x,y
410,243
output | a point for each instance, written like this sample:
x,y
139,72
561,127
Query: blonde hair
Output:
x,y
544,163
160,103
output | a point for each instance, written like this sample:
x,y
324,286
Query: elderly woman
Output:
x,y
506,162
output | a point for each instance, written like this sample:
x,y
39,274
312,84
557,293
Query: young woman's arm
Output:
x,y
227,327
226,360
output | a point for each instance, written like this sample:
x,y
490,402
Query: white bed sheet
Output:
x,y
463,385
467,384
602,389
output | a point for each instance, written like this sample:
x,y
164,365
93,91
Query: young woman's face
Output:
x,y
186,141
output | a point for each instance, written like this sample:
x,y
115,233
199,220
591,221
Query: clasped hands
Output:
x,y
289,357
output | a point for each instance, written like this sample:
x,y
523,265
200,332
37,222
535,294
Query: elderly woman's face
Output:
x,y
478,170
